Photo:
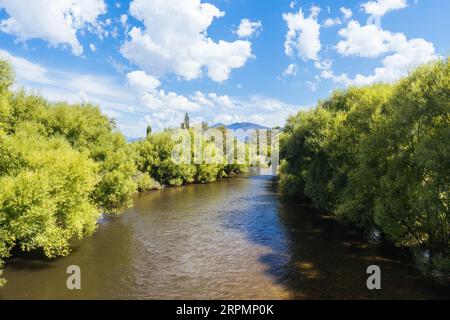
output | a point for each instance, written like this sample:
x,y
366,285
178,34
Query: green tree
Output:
x,y
45,189
413,205
378,156
61,166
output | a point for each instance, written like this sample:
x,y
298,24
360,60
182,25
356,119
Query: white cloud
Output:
x,y
143,101
214,108
407,56
124,22
92,47
313,85
323,65
174,40
56,22
401,54
223,102
168,102
247,28
332,22
291,70
381,7
146,88
347,12
142,82
200,98
57,85
366,41
84,97
303,34
124,19
24,69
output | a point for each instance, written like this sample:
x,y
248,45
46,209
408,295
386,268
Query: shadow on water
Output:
x,y
235,239
316,257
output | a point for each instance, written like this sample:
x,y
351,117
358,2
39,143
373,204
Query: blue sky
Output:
x,y
150,61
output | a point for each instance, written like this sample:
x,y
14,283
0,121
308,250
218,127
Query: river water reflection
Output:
x,y
234,239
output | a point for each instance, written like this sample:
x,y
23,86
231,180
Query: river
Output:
x,y
234,239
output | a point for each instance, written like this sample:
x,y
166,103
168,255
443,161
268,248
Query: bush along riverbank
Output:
x,y
154,161
62,166
379,157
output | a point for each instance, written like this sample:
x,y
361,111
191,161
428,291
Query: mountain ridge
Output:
x,y
240,125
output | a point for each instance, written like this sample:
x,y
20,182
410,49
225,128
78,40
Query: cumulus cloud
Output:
x,y
303,34
332,22
142,82
366,41
25,70
346,12
143,101
323,65
60,85
381,7
291,70
56,22
247,28
146,88
408,55
174,40
400,54
261,110
313,85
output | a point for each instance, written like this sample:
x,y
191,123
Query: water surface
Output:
x,y
234,239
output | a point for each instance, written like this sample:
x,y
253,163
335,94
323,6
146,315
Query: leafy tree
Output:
x,y
6,77
413,205
146,183
45,189
154,156
378,156
61,166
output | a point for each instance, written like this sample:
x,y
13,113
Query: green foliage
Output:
x,y
154,156
6,80
379,156
414,193
146,183
88,130
60,167
44,193
6,77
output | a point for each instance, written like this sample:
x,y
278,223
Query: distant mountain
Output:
x,y
240,125
130,139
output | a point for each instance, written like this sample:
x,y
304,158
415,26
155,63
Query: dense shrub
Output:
x,y
61,166
146,183
45,193
379,156
154,156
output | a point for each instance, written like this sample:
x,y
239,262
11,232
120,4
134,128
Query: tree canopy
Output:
x,y
378,156
61,166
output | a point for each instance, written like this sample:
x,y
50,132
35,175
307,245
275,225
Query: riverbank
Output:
x,y
377,157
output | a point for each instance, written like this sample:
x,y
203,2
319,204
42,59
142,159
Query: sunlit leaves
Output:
x,y
379,156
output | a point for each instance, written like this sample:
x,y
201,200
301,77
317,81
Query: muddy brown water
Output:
x,y
234,239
